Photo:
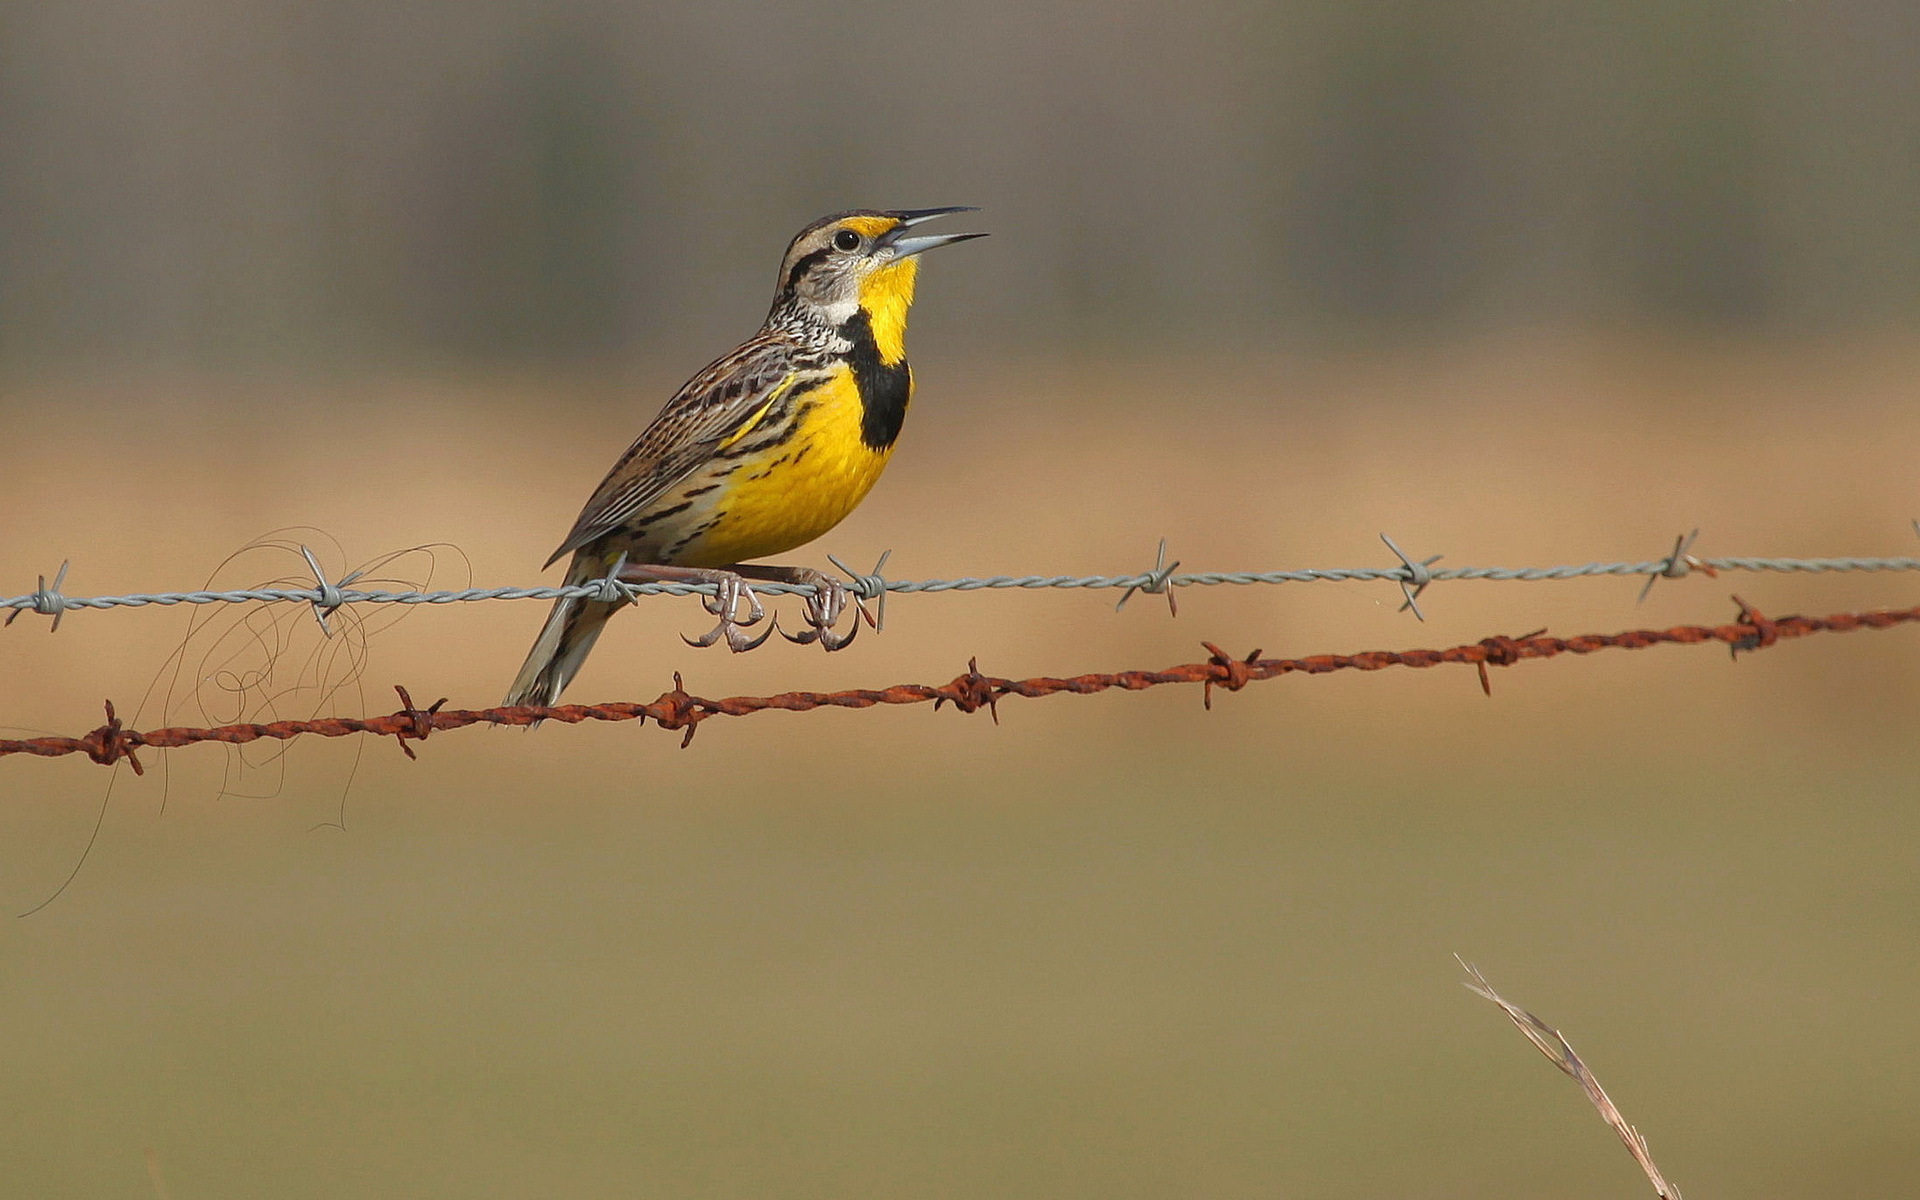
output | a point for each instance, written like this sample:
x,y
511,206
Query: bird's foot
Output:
x,y
825,607
731,593
823,612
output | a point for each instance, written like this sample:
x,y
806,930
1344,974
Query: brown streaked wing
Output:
x,y
702,414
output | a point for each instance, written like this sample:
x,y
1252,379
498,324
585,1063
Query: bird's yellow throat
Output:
x,y
886,295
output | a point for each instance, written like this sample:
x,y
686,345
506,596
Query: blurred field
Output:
x,y
1115,946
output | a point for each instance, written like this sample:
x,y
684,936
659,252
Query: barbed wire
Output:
x,y
970,692
1413,576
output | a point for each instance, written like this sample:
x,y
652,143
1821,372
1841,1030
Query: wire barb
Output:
x,y
609,588
112,742
972,692
1230,673
1502,651
871,586
1416,579
681,710
418,721
1678,565
47,601
1765,632
328,597
1157,582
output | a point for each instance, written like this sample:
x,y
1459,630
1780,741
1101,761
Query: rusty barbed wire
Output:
x,y
970,692
1413,576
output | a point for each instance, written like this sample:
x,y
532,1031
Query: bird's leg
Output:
x,y
824,607
730,591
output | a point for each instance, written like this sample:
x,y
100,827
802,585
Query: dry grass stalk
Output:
x,y
154,1175
1559,1052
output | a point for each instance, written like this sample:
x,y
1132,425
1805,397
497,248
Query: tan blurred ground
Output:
x,y
1114,946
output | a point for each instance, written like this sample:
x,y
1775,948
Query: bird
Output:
x,y
766,449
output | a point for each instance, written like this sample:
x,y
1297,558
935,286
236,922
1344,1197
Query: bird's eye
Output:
x,y
846,239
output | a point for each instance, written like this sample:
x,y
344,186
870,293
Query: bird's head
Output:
x,y
865,259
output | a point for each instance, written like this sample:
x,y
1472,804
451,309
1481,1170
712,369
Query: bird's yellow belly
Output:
x,y
796,491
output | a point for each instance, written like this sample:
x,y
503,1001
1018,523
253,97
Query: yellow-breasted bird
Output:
x,y
765,450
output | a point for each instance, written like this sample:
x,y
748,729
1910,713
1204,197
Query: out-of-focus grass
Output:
x,y
1114,946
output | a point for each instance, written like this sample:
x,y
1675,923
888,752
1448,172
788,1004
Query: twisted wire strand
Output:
x,y
683,711
50,602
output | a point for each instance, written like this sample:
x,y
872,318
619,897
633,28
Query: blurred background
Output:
x,y
1523,284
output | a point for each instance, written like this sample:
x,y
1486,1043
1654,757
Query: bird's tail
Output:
x,y
571,629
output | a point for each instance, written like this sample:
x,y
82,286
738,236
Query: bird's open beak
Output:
x,y
905,247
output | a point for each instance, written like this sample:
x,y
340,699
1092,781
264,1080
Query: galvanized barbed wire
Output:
x,y
1413,577
681,710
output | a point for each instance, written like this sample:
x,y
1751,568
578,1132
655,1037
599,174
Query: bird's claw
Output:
x,y
729,593
823,611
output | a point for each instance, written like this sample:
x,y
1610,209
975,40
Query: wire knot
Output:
x,y
612,591
328,596
1229,672
1158,582
419,721
971,692
1765,631
680,709
871,586
47,601
112,742
1501,651
1679,564
1416,578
